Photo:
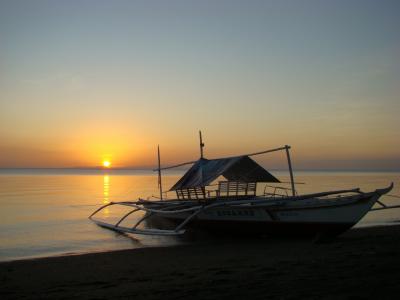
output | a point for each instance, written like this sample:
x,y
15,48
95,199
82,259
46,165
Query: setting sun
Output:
x,y
106,163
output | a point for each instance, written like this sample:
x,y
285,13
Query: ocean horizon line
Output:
x,y
184,169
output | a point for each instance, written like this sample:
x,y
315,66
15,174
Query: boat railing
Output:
x,y
225,189
277,191
191,193
236,188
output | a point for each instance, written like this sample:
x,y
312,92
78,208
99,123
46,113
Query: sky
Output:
x,y
87,81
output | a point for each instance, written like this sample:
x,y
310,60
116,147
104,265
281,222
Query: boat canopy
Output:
x,y
239,168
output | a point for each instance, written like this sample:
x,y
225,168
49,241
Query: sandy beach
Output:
x,y
361,264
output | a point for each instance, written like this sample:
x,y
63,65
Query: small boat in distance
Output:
x,y
243,203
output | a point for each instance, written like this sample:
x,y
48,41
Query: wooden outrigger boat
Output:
x,y
237,205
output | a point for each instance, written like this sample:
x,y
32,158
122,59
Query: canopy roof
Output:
x,y
240,168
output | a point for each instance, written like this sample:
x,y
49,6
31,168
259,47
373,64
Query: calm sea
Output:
x,y
44,212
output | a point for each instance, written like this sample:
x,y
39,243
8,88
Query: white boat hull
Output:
x,y
326,214
304,217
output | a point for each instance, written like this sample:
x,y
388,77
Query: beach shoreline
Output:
x,y
360,264
182,243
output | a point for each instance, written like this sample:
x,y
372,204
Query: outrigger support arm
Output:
x,y
169,209
384,206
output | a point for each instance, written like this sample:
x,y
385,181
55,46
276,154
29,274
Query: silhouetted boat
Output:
x,y
243,204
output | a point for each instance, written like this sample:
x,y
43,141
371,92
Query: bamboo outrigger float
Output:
x,y
236,206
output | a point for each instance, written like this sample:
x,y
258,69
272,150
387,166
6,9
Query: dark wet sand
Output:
x,y
361,264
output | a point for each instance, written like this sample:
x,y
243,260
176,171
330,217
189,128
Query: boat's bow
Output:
x,y
384,190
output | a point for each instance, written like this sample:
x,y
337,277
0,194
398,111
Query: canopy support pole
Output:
x,y
201,145
287,147
159,173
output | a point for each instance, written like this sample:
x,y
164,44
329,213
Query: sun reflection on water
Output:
x,y
106,189
106,193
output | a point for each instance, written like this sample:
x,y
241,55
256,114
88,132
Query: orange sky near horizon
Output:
x,y
123,77
140,151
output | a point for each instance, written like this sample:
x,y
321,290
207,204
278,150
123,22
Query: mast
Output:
x,y
287,147
159,172
201,145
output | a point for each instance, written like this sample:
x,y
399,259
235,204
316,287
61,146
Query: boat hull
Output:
x,y
310,217
293,229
